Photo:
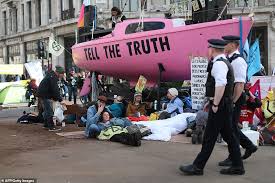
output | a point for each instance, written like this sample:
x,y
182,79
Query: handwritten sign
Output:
x,y
140,84
135,48
198,80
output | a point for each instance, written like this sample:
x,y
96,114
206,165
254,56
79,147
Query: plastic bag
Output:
x,y
58,112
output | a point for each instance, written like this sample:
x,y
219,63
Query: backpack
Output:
x,y
28,118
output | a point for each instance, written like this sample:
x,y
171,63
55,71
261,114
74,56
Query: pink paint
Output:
x,y
127,56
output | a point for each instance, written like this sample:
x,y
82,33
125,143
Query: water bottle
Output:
x,y
155,105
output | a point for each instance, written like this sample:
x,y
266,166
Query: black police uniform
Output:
x,y
219,122
242,139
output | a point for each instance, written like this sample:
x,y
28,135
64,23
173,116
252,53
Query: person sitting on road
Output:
x,y
117,107
174,107
102,120
92,110
136,108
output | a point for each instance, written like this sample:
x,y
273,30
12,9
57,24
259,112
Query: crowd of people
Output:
x,y
225,90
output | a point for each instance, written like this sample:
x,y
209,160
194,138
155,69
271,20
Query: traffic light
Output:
x,y
41,49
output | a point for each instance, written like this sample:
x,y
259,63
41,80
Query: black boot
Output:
x,y
226,162
233,171
191,170
127,139
249,151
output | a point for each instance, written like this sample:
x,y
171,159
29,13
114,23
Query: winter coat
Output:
x,y
48,88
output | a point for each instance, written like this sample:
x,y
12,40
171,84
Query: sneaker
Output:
x,y
54,129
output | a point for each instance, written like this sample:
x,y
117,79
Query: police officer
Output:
x,y
219,89
239,67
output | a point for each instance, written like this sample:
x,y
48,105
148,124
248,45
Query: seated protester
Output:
x,y
174,107
136,108
100,121
248,109
92,110
117,107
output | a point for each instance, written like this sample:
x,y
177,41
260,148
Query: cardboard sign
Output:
x,y
202,3
195,5
35,71
141,84
198,80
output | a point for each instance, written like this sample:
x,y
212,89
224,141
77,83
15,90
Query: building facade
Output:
x,y
263,27
24,22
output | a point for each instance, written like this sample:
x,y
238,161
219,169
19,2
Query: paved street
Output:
x,y
30,151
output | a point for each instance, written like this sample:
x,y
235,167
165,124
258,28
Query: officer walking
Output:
x,y
219,89
239,67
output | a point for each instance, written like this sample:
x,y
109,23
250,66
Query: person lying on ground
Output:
x,y
174,107
102,120
136,108
117,107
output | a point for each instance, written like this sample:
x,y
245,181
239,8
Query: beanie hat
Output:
x,y
59,69
138,94
173,91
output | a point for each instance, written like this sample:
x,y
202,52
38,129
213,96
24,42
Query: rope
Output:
x,y
141,17
224,8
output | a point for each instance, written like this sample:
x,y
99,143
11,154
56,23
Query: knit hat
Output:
x,y
59,69
138,94
173,91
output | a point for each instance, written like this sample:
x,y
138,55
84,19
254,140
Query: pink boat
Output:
x,y
127,54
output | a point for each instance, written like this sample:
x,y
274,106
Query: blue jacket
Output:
x,y
117,109
123,122
175,107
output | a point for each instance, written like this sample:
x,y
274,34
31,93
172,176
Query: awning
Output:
x,y
12,69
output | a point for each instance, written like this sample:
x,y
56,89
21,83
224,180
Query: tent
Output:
x,y
13,94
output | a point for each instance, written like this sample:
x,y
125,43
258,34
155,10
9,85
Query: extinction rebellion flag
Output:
x,y
54,47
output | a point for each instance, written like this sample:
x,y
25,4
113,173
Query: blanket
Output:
x,y
164,129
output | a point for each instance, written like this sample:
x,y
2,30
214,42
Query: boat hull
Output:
x,y
129,56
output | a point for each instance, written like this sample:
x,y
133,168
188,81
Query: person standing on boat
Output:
x,y
116,16
219,90
239,67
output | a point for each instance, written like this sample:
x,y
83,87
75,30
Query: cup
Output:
x,y
245,125
54,121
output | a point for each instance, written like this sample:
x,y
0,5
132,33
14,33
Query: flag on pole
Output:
x,y
256,89
54,47
254,64
80,22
